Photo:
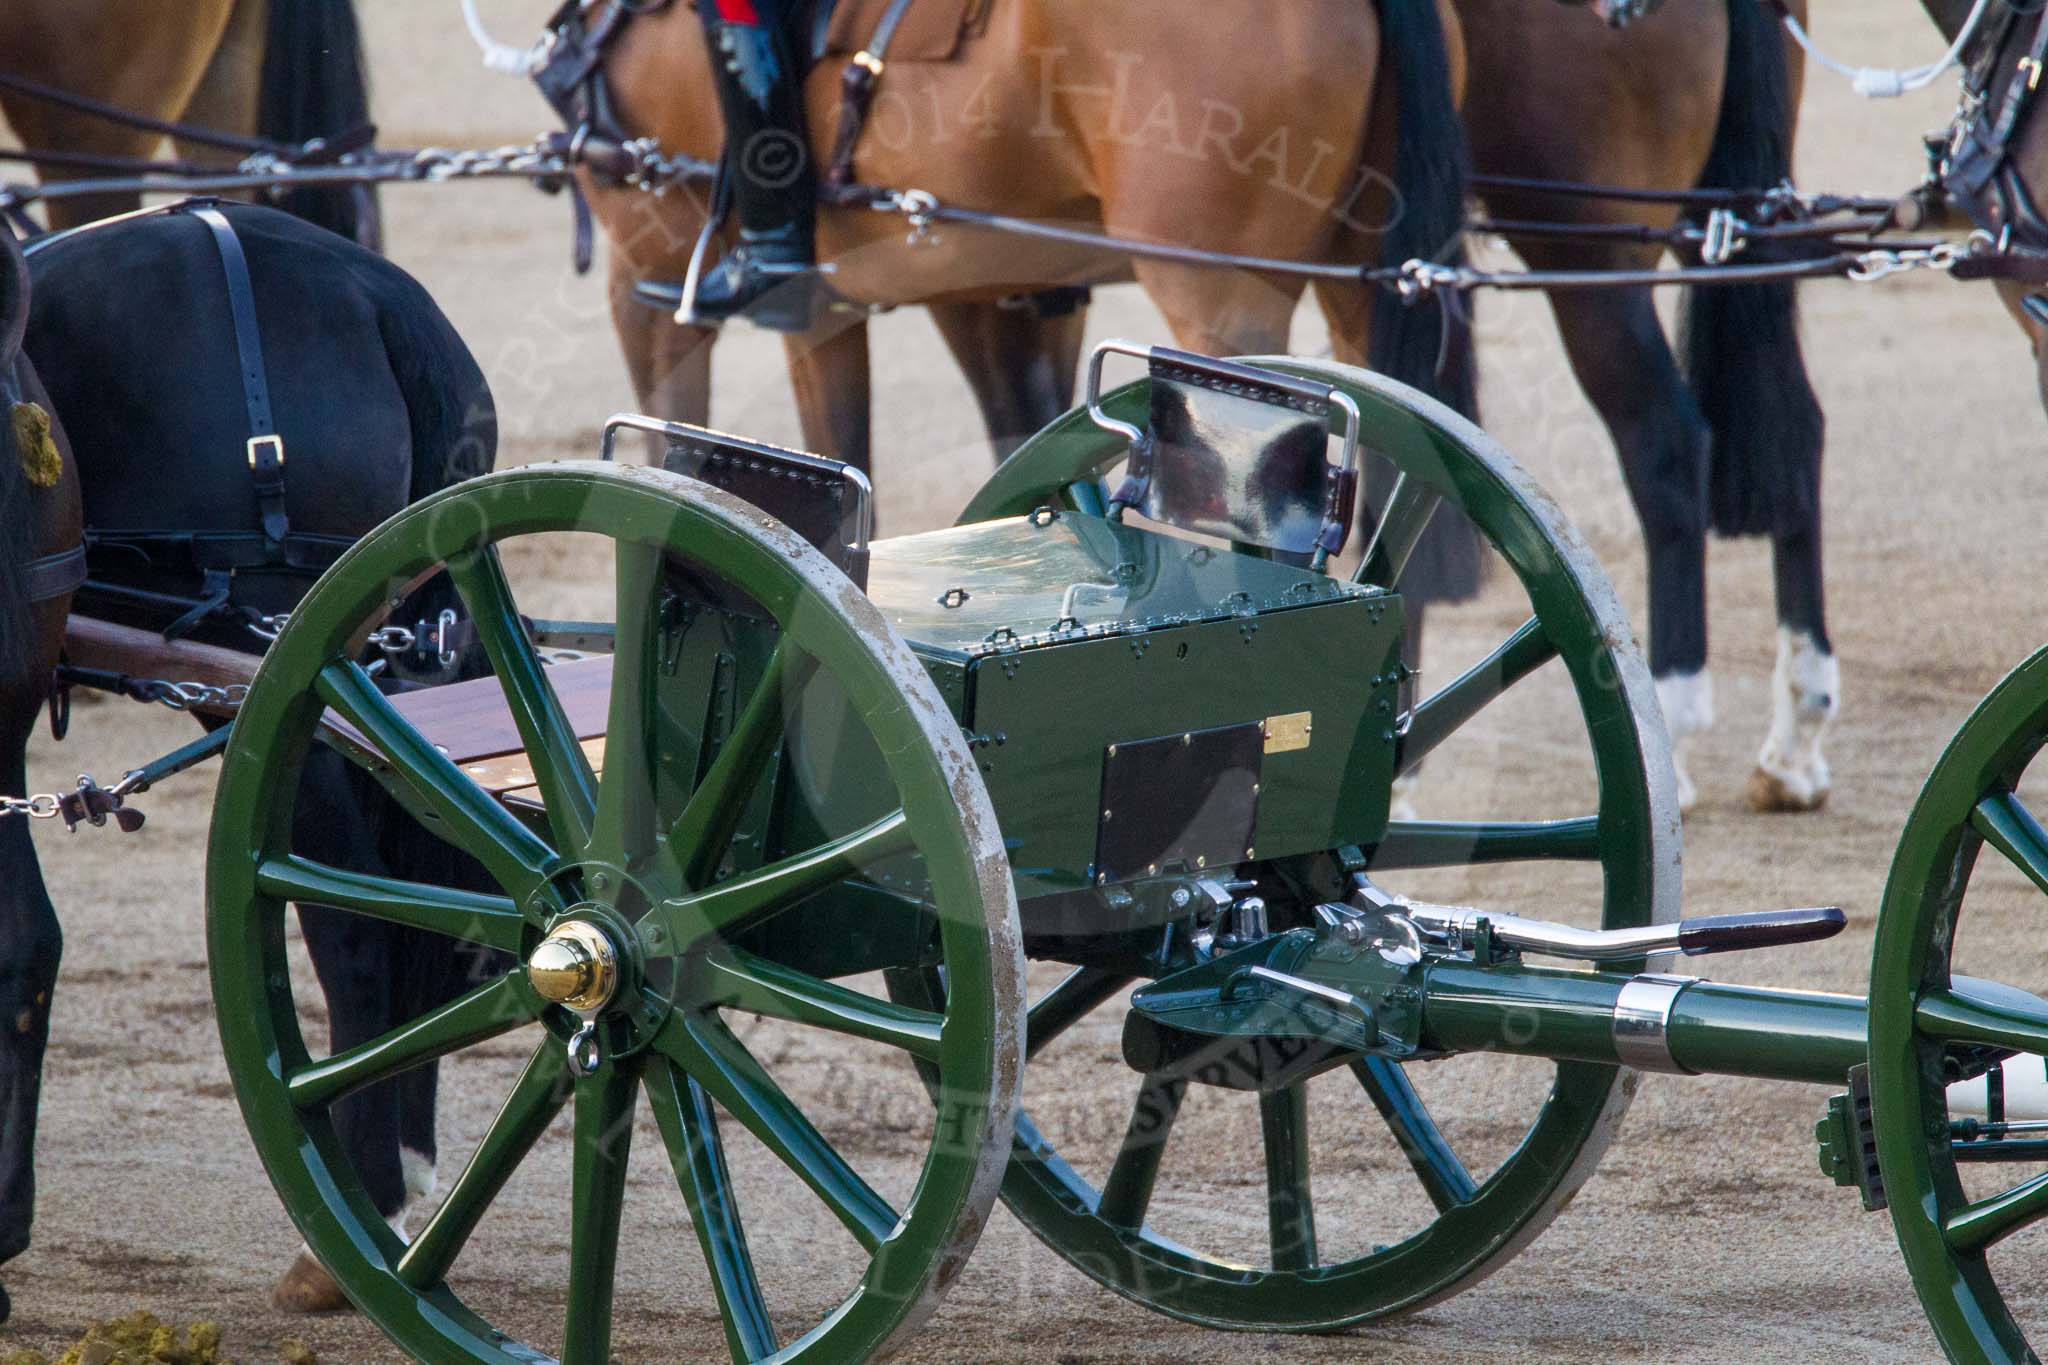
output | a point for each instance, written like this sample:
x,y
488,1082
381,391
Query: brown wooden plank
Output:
x,y
511,774
469,721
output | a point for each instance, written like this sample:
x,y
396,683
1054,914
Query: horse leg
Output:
x,y
226,100
28,977
1625,365
828,368
1791,773
1020,363
429,968
670,365
145,59
356,961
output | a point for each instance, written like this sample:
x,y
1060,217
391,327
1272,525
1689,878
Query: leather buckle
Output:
x,y
2030,67
276,444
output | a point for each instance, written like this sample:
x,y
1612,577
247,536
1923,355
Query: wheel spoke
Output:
x,y
542,1090
1444,1177
1401,524
491,1009
472,821
623,830
689,1128
559,766
719,1062
2010,827
699,837
1956,1016
1127,1190
1291,1214
493,921
1974,1227
1438,718
1460,843
604,1138
1066,1004
740,980
730,908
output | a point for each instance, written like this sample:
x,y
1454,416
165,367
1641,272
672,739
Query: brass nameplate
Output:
x,y
1285,734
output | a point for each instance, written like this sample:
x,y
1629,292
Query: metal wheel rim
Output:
x,y
981,1045
1639,813
1923,897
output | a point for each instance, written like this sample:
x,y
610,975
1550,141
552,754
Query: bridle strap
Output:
x,y
265,448
57,575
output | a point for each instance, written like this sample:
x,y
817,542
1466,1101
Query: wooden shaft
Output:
x,y
92,643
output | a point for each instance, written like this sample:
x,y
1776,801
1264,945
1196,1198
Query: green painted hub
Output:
x,y
1480,1224
609,853
1921,1010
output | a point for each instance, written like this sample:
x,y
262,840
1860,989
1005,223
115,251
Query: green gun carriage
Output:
x,y
1124,723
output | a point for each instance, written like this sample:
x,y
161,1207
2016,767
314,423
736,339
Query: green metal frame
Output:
x,y
1441,458
1921,1012
652,892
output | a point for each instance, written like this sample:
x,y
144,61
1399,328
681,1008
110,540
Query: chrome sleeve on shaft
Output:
x,y
1642,1021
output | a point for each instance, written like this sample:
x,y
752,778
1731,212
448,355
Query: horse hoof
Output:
x,y
308,1288
1771,795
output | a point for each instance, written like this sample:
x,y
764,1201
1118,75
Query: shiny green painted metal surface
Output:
x,y
1033,582
1481,1223
1714,1027
1920,1010
1064,636
660,890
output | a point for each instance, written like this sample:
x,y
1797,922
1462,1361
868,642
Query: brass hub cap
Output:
x,y
575,966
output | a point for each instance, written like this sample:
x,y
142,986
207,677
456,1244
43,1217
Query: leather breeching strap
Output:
x,y
265,448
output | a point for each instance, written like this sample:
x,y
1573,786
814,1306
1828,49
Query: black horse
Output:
x,y
376,402
39,513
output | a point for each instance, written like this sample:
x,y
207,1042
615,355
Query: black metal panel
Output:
x,y
1188,800
807,493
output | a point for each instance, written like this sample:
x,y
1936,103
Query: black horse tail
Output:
x,y
1428,344
315,86
1739,344
454,419
453,425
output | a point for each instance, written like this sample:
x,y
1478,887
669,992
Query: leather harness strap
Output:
x,y
857,94
57,575
1977,168
265,448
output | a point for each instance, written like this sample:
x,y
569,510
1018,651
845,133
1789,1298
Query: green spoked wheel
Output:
x,y
1138,1214
635,906
1971,842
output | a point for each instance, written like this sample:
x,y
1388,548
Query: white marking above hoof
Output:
x,y
1806,692
1687,701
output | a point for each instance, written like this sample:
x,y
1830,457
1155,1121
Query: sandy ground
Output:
x,y
1707,1235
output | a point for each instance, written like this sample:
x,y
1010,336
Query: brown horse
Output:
x,y
41,507
2028,151
1142,120
1731,437
289,70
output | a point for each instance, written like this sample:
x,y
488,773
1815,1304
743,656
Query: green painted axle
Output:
x,y
1710,1026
